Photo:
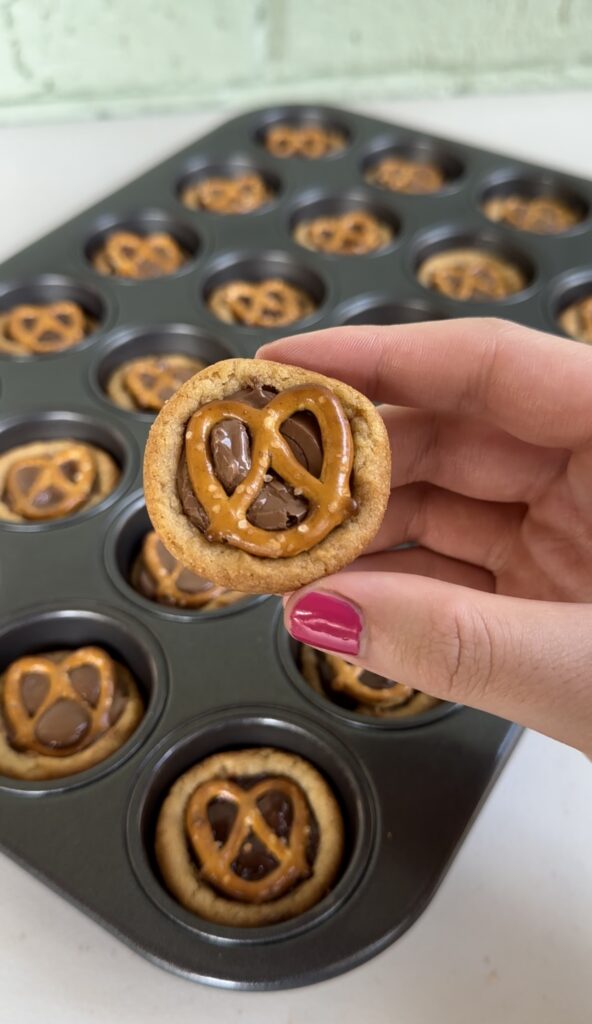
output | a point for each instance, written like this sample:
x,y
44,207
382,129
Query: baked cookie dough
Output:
x,y
157,575
264,477
249,838
34,330
48,480
145,384
308,141
541,215
353,233
401,174
269,303
471,275
139,257
62,712
240,193
576,320
354,688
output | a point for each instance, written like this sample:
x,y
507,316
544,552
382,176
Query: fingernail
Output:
x,y
324,620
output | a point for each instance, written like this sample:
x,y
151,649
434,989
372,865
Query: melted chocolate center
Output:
x,y
276,507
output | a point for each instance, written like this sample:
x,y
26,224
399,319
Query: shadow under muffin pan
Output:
x,y
222,679
49,288
143,342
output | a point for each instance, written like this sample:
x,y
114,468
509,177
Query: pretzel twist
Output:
x,y
216,861
347,678
165,379
308,141
47,328
401,175
23,726
464,281
354,232
57,488
166,580
227,195
269,303
576,320
329,495
539,214
126,254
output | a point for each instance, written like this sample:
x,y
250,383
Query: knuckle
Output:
x,y
463,652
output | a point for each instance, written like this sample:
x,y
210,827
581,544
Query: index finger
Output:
x,y
536,386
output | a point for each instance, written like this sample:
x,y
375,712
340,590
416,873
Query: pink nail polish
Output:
x,y
324,620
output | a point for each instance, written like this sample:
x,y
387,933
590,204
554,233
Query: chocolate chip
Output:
x,y
221,816
26,477
71,470
64,724
34,688
278,812
165,558
190,583
254,860
230,451
86,680
48,497
49,336
147,380
276,507
64,318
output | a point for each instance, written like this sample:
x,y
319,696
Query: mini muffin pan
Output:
x,y
409,789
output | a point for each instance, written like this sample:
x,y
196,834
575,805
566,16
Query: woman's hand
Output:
x,y
490,427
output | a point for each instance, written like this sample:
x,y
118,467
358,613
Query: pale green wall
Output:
x,y
64,58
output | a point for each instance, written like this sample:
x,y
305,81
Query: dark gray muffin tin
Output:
x,y
409,790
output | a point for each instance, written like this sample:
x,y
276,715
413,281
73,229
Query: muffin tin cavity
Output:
x,y
329,205
49,289
334,141
247,728
382,310
255,268
261,189
125,640
342,706
428,152
507,183
144,223
57,425
437,241
158,340
122,547
568,290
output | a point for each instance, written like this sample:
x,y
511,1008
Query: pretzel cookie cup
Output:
x,y
159,577
34,330
356,689
250,838
48,480
264,477
145,384
62,712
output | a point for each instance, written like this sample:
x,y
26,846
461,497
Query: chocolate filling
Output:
x,y
254,861
277,506
187,581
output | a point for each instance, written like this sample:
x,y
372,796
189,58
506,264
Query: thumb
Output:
x,y
528,661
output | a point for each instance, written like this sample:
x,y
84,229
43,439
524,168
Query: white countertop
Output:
x,y
508,937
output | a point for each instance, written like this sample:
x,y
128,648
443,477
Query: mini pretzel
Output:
x,y
541,214
153,380
576,320
23,726
308,141
166,580
126,254
466,274
347,678
59,485
355,232
271,303
216,861
329,496
227,195
401,175
46,328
